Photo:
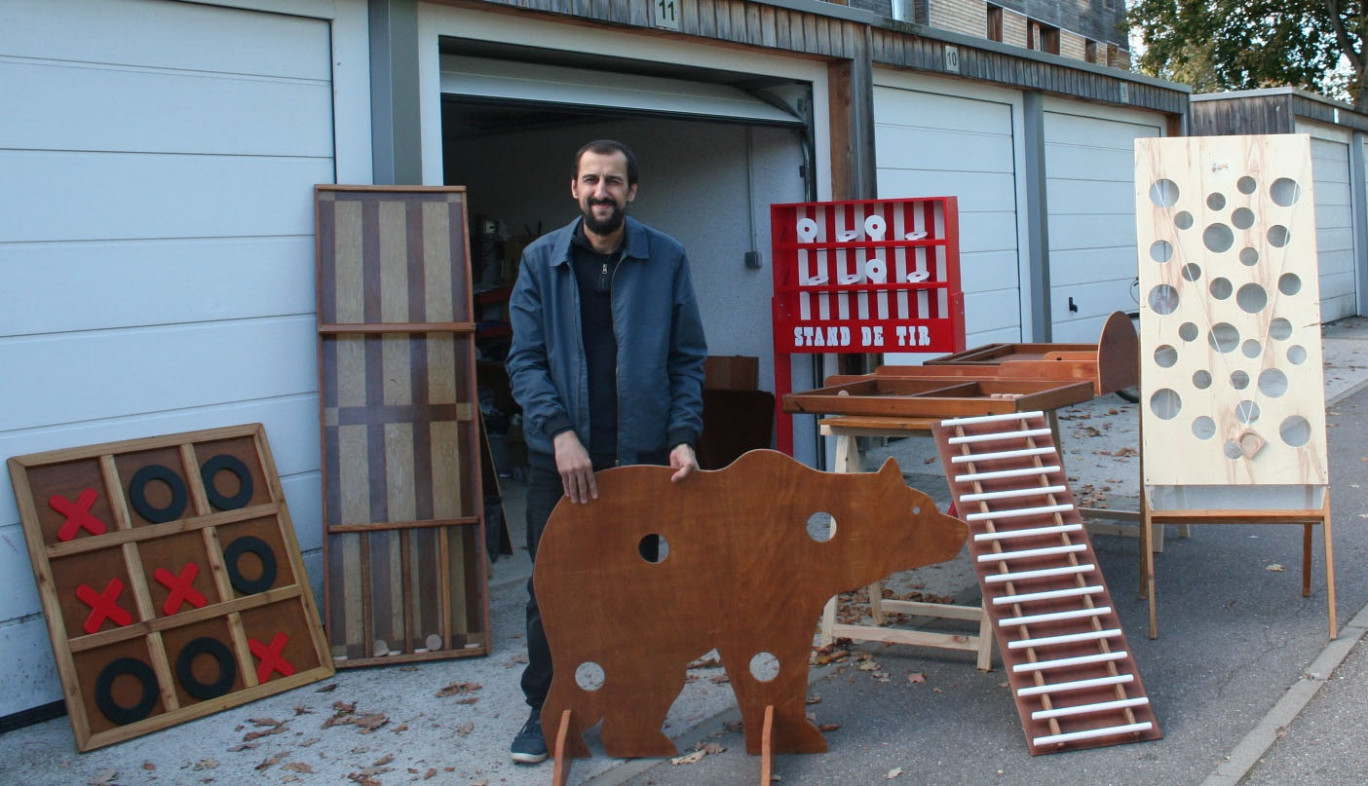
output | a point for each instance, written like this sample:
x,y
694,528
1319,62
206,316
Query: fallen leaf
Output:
x,y
302,711
271,762
383,760
458,689
104,779
149,766
893,773
399,728
297,766
432,771
246,746
329,688
916,677
815,698
1275,568
465,729
828,726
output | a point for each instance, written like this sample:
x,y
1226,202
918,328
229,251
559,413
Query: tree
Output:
x,y
1245,44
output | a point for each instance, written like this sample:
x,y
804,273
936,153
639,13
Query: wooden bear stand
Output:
x,y
742,560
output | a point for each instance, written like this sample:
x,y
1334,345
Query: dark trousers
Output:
x,y
544,490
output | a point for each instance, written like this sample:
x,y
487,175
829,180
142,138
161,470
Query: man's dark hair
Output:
x,y
605,147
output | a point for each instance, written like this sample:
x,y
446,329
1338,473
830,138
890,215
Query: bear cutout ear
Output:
x,y
890,470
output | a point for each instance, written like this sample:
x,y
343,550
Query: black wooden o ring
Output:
x,y
137,494
233,464
259,547
104,690
185,671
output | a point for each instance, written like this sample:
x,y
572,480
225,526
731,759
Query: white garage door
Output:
x,y
1090,195
158,160
1334,220
930,143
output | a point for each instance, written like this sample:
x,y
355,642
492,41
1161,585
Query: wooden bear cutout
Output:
x,y
738,571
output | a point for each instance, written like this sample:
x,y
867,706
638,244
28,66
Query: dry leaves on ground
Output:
x,y
459,689
271,762
698,753
345,714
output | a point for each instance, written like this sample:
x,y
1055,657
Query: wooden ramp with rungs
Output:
x,y
1075,683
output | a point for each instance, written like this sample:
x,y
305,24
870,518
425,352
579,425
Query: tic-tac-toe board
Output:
x,y
1230,327
170,578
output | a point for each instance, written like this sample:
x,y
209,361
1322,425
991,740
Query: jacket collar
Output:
x,y
635,244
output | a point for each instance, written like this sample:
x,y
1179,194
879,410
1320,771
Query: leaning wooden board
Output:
x,y
402,505
170,578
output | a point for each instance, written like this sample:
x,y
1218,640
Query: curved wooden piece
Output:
x,y
561,774
767,748
1118,355
739,573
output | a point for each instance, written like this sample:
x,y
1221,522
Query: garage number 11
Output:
x,y
666,13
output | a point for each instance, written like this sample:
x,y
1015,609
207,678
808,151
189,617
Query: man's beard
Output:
x,y
606,226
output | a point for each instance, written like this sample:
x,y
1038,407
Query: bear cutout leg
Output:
x,y
638,696
785,690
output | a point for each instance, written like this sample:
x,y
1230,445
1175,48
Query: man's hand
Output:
x,y
682,458
575,468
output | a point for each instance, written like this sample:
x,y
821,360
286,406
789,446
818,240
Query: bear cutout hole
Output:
x,y
589,676
764,667
821,526
653,548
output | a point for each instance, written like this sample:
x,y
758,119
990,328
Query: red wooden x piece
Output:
x,y
181,587
78,515
271,659
103,605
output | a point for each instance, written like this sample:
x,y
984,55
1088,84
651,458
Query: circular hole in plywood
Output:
x,y
1183,220
1247,185
1224,337
1201,379
764,667
1280,328
1166,356
1166,404
1247,411
1221,288
1192,271
1242,218
1216,200
589,676
1188,331
1278,236
1284,191
1251,348
1163,299
653,548
1296,354
1203,428
1289,284
1164,193
1218,238
1239,379
1252,298
1272,382
1295,431
1161,251
1249,257
821,526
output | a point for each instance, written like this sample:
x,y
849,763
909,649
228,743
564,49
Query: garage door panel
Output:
x,y
1080,162
993,310
947,149
1332,238
987,269
156,196
1089,197
913,108
976,192
207,38
1092,232
1114,264
234,278
208,363
171,112
1076,129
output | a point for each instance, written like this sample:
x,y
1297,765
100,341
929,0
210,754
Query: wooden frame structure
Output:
x,y
1232,410
170,578
402,504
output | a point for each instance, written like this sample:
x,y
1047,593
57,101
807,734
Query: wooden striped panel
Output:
x,y
137,575
1074,680
401,487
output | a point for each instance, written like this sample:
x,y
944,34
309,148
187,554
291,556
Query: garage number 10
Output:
x,y
666,14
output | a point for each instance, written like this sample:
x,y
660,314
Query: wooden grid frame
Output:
x,y
149,551
402,502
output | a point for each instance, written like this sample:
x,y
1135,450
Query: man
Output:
x,y
606,362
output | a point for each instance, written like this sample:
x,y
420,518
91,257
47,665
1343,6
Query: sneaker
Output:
x,y
529,747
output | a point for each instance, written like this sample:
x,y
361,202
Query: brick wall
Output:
x,y
1013,28
1072,46
960,16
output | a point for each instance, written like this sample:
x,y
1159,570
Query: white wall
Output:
x,y
157,221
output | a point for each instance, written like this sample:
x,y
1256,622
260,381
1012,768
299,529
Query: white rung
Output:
x,y
1010,493
1062,663
1006,473
1051,551
1093,733
998,435
1054,616
1016,513
1087,709
1001,454
997,578
992,418
1068,638
1065,687
1008,534
1029,597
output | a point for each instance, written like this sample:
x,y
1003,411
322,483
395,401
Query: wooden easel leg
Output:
x,y
1329,566
1147,565
1306,560
562,770
985,648
767,747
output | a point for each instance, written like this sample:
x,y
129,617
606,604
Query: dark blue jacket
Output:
x,y
660,345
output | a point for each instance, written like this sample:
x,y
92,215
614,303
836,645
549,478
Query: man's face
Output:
x,y
602,191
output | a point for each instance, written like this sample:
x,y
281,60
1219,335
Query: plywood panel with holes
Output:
x,y
1230,321
170,578
405,565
